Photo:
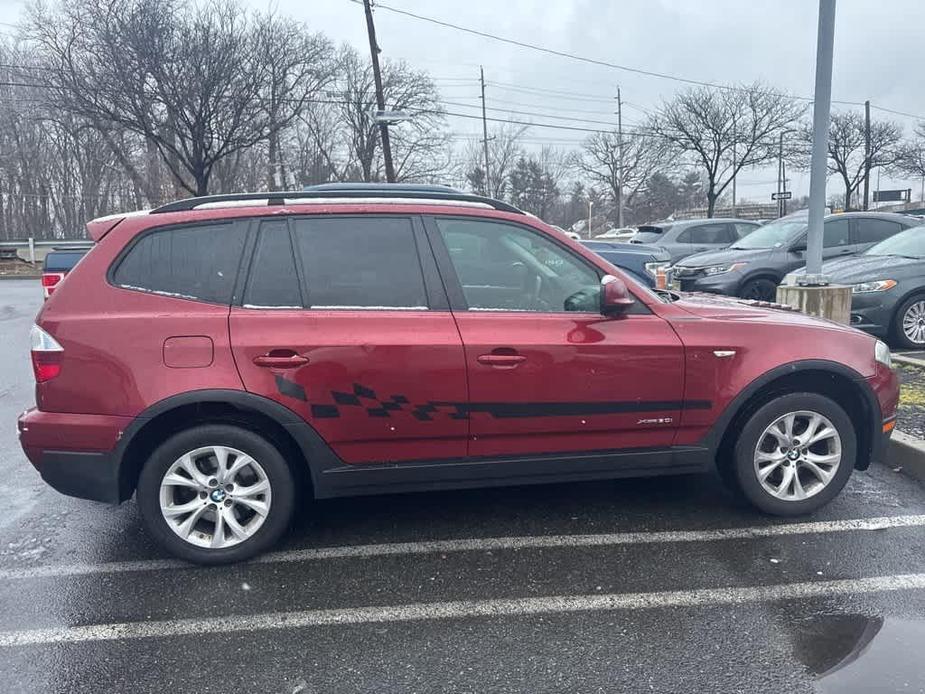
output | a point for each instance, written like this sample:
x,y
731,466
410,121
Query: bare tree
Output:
x,y
192,80
912,161
722,131
347,136
504,149
599,161
846,148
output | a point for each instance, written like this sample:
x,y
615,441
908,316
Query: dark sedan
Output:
x,y
646,263
888,287
753,267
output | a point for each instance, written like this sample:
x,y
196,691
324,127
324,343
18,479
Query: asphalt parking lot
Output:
x,y
663,585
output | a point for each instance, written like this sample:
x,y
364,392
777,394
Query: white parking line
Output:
x,y
491,543
517,607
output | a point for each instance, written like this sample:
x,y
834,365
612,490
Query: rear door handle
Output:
x,y
508,361
280,359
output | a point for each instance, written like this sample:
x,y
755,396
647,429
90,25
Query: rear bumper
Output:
x,y
74,453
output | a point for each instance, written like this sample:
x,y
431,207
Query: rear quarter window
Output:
x,y
195,262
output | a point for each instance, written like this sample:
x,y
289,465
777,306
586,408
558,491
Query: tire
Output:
x,y
244,531
760,289
909,306
755,434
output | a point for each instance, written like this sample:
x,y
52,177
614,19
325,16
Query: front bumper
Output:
x,y
74,453
872,312
884,385
725,283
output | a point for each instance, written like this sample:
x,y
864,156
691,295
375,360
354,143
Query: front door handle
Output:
x,y
502,361
280,359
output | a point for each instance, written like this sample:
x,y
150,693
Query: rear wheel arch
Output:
x,y
299,444
836,381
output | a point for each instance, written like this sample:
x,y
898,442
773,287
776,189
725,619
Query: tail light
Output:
x,y
46,355
50,280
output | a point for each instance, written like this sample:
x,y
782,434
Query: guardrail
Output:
x,y
65,243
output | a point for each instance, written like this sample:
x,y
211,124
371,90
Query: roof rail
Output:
x,y
350,190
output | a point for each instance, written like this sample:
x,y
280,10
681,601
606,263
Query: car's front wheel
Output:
x,y
216,494
909,323
795,454
760,289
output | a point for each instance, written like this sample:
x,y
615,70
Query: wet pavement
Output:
x,y
634,585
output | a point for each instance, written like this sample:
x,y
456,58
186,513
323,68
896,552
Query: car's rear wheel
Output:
x,y
795,454
215,494
909,323
760,289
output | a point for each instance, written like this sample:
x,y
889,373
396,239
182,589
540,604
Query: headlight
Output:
x,y
720,269
882,354
875,286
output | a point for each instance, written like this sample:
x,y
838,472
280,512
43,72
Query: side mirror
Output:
x,y
615,297
798,246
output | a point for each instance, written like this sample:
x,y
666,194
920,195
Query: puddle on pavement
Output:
x,y
859,654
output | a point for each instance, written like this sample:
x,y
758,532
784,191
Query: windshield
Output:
x,y
773,235
909,243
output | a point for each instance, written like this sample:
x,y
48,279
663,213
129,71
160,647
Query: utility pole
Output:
x,y
822,104
485,134
590,205
783,178
866,153
733,167
780,174
620,162
380,97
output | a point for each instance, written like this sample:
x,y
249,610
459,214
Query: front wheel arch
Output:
x,y
836,381
757,278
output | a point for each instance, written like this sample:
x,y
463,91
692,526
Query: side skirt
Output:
x,y
387,478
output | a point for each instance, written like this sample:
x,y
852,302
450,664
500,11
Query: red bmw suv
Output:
x,y
224,357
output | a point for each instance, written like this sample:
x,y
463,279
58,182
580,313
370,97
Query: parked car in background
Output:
x,y
226,359
58,262
754,266
689,236
887,287
621,234
570,234
648,264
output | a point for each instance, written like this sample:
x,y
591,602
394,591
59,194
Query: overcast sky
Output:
x,y
878,55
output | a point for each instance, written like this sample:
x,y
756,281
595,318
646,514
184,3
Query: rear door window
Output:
x,y
360,263
707,235
875,230
195,262
273,282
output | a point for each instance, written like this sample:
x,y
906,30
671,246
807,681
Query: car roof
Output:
x,y
341,193
705,220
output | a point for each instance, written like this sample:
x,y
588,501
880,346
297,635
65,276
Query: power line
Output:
x,y
604,63
533,113
549,51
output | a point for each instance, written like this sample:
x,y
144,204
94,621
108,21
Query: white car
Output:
x,y
622,234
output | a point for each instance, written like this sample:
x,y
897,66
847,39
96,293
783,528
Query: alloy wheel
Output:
x,y
797,455
215,497
914,322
